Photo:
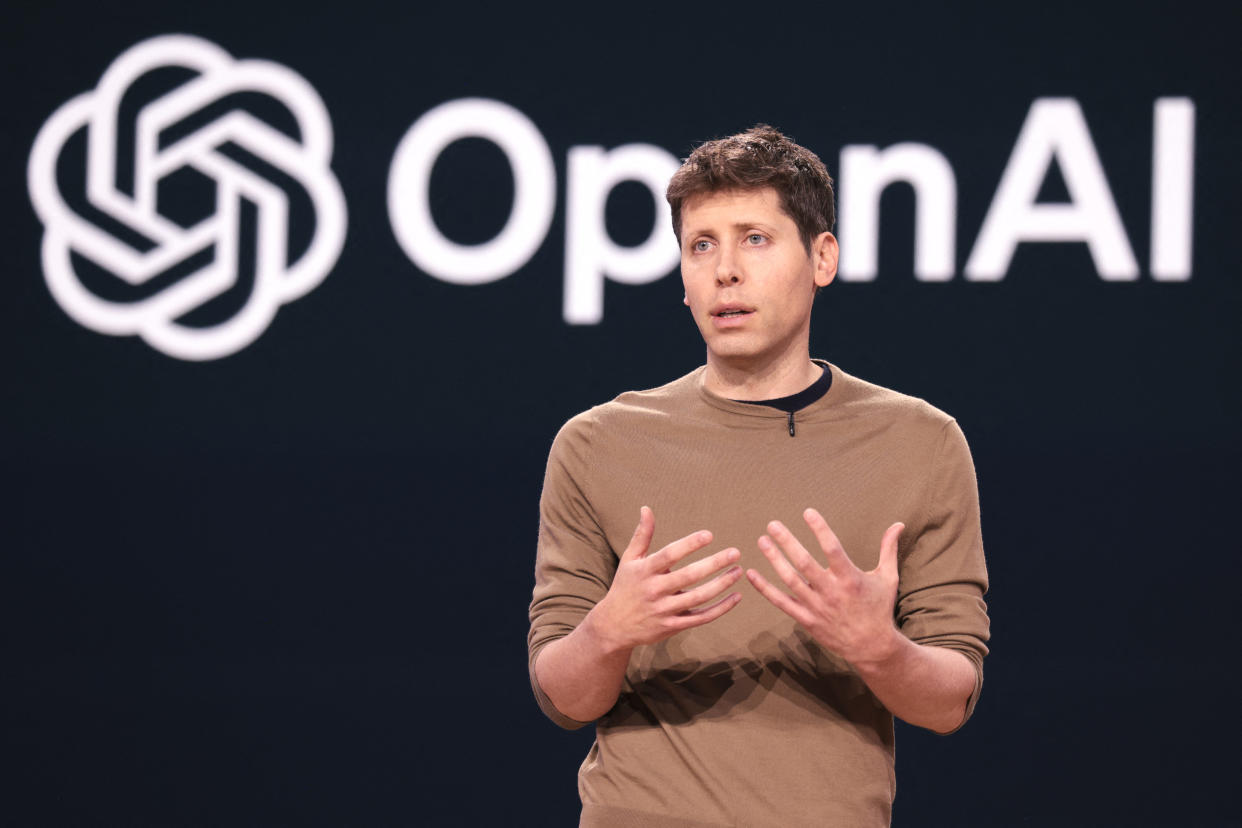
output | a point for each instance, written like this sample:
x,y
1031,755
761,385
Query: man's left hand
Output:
x,y
848,611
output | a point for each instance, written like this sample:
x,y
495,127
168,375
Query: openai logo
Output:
x,y
122,255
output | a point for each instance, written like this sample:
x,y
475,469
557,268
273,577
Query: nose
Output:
x,y
728,272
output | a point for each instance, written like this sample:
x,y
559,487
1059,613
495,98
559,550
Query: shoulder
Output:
x,y
882,407
920,434
632,411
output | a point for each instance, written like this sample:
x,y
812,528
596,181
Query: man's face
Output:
x,y
749,279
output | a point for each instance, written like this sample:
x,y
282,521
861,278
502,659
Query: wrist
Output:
x,y
881,654
602,634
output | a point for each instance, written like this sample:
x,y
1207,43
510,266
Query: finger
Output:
x,y
888,549
785,570
782,601
642,535
698,617
691,598
795,552
678,549
697,571
838,562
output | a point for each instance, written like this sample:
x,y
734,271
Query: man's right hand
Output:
x,y
648,602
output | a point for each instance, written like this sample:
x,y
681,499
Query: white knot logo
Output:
x,y
158,317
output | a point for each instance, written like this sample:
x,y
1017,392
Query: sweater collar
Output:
x,y
750,409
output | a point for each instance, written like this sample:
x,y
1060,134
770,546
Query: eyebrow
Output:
x,y
739,225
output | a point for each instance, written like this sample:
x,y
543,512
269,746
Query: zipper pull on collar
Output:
x,y
791,424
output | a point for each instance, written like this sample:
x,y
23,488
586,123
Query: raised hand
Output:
x,y
649,602
848,611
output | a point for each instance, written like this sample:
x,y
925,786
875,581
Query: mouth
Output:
x,y
731,317
731,311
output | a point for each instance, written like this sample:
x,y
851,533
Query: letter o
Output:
x,y
409,190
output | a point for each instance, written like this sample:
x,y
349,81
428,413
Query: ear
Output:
x,y
685,300
824,254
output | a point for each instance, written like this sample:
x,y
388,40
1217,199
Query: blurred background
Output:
x,y
276,571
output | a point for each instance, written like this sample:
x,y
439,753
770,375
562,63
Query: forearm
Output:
x,y
920,684
582,672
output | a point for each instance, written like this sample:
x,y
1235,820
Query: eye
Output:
x,y
701,246
756,238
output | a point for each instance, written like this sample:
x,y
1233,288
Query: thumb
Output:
x,y
888,548
642,535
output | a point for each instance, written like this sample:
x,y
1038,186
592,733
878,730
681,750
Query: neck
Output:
x,y
763,381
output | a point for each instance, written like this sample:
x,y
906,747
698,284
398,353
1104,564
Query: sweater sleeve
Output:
x,y
574,563
943,576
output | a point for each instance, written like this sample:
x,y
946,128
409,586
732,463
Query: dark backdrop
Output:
x,y
289,585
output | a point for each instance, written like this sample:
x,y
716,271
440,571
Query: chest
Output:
x,y
734,482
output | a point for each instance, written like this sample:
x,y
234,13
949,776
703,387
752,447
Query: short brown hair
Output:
x,y
759,157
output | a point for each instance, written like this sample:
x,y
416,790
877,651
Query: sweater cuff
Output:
x,y
976,661
545,703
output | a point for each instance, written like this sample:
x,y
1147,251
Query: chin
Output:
x,y
736,352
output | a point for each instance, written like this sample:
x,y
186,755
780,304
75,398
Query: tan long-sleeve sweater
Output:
x,y
747,720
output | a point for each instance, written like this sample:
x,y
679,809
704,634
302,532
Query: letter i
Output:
x,y
1172,189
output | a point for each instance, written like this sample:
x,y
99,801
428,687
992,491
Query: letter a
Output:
x,y
1054,128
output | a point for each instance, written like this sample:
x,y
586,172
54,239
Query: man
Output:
x,y
721,704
